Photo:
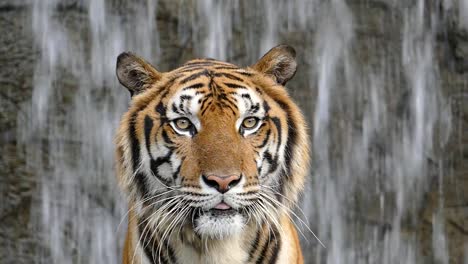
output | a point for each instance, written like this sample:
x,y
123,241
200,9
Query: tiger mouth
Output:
x,y
222,206
222,209
219,212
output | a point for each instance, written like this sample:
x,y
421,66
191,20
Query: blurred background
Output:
x,y
383,83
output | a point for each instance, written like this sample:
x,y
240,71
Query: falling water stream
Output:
x,y
370,166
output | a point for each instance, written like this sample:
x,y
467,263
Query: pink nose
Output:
x,y
222,183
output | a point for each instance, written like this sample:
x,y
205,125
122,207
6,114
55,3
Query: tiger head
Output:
x,y
211,145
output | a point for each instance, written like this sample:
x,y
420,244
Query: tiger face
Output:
x,y
211,146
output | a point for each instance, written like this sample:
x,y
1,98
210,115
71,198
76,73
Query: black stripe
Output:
x,y
277,123
194,86
161,110
254,246
247,97
224,97
193,68
176,173
205,100
168,85
161,160
254,108
134,142
194,76
275,250
262,256
272,161
234,86
227,68
158,162
135,147
265,140
245,73
175,109
272,245
292,138
166,139
228,75
148,127
266,107
214,87
187,69
276,247
224,106
185,97
289,152
206,109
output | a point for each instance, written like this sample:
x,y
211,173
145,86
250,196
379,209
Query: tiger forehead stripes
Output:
x,y
212,158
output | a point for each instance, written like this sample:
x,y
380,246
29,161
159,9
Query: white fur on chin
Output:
x,y
220,226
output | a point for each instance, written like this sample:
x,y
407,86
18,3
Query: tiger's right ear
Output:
x,y
279,63
135,73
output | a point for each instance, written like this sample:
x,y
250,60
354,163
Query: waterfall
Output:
x,y
372,124
81,211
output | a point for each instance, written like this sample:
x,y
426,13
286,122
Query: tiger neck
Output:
x,y
193,249
186,247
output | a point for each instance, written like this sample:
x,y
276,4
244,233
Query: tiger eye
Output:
x,y
182,123
249,122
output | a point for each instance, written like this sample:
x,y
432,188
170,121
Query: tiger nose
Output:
x,y
222,183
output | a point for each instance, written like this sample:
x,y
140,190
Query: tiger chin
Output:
x,y
212,158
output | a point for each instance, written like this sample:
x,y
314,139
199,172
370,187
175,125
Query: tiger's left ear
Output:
x,y
279,63
135,73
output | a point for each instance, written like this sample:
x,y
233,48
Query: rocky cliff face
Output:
x,y
383,84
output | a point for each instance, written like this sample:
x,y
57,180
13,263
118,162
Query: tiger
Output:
x,y
212,158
